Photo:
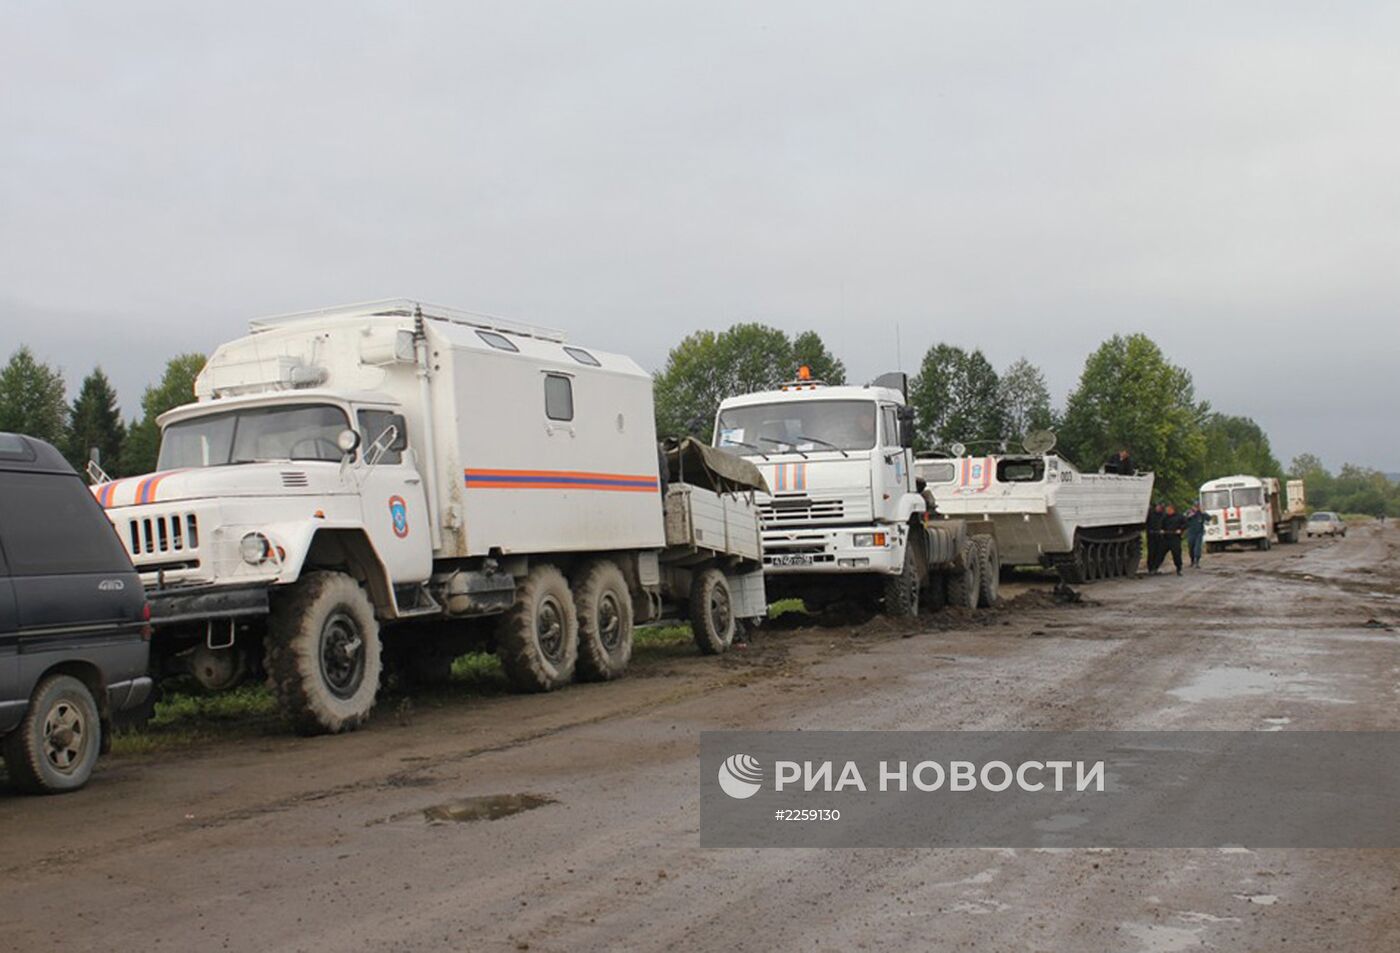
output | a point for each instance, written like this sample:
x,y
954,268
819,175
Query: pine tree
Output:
x,y
95,422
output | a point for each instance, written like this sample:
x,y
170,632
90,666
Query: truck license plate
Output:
x,y
794,559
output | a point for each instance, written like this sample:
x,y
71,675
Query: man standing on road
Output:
x,y
1196,519
1155,553
1173,527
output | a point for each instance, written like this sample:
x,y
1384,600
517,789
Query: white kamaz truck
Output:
x,y
410,471
846,518
1252,510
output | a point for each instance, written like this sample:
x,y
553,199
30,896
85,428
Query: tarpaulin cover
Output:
x,y
711,468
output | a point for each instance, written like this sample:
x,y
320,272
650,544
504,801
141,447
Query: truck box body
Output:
x,y
509,477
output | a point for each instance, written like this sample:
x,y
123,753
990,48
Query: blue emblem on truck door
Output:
x,y
398,513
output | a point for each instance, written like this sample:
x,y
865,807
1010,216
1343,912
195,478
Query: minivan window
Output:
x,y
50,524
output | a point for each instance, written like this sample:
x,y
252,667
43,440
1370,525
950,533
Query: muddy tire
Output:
x,y
537,640
604,607
53,750
323,654
1135,556
712,612
900,594
988,571
965,584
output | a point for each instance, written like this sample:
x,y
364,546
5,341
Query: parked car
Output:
x,y
1324,523
74,622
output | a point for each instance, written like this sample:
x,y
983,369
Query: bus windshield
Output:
x,y
301,432
1215,500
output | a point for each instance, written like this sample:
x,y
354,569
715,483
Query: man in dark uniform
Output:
x,y
1120,463
1173,528
1196,519
1155,553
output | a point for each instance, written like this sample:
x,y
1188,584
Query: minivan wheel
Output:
x,y
56,745
323,654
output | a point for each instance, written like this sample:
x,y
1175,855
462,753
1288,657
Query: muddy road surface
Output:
x,y
570,821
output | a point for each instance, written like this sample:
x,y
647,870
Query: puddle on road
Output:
x,y
491,807
1221,683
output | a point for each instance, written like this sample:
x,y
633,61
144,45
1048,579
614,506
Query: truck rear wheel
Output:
x,y
965,584
712,612
323,654
538,638
988,571
604,621
902,592
54,748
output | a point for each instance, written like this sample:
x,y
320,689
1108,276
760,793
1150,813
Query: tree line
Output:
x,y
1129,395
34,401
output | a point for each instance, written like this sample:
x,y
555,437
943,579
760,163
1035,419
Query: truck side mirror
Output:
x,y
906,427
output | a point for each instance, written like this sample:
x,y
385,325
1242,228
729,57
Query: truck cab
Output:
x,y
841,476
846,518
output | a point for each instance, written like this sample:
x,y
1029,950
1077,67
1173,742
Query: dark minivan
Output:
x,y
74,623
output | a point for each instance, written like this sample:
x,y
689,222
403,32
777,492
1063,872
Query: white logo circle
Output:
x,y
740,776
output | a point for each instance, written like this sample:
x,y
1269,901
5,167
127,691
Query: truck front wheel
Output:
x,y
538,638
903,592
323,654
712,612
604,621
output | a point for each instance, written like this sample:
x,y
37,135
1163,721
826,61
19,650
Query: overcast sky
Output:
x,y
1024,178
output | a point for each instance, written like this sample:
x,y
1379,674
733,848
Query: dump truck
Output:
x,y
1046,513
846,518
1252,511
387,485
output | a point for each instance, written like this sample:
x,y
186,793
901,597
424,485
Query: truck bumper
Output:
x,y
834,550
177,606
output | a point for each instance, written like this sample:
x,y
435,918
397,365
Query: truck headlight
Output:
x,y
255,548
860,540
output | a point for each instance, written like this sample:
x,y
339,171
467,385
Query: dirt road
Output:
x,y
324,844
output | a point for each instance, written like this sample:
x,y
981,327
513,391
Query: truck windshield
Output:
x,y
1215,500
799,425
303,432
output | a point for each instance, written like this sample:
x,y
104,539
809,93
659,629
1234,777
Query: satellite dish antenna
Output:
x,y
958,449
1039,441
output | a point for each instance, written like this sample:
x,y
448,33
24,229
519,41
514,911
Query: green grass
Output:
x,y
186,718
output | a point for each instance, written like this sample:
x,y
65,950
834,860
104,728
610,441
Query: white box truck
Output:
x,y
1252,510
415,469
847,517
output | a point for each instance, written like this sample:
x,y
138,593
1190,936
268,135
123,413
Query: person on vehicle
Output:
x,y
1155,553
1120,463
1173,528
1196,520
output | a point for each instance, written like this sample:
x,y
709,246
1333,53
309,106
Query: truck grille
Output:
x,y
167,533
294,478
784,510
